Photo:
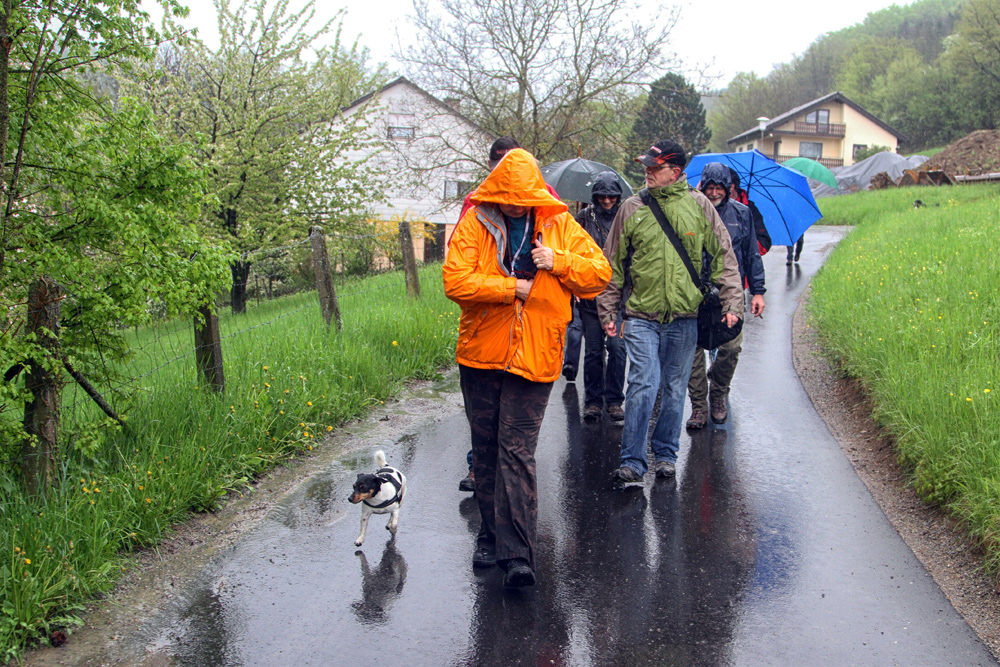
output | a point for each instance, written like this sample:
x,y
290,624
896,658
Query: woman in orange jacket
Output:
x,y
513,263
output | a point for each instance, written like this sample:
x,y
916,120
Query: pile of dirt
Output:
x,y
974,154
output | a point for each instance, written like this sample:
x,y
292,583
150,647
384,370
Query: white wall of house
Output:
x,y
860,131
429,155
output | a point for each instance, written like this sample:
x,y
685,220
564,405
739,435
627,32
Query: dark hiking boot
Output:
x,y
616,413
569,373
719,411
468,483
484,557
519,574
665,469
626,475
592,412
698,419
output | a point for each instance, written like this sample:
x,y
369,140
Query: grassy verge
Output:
x,y
910,305
288,381
872,206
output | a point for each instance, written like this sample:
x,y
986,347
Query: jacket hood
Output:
x,y
606,183
716,172
518,181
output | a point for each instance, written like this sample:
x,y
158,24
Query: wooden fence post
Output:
x,y
208,348
409,261
44,381
324,277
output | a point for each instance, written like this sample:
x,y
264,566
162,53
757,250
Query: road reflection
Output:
x,y
380,587
648,575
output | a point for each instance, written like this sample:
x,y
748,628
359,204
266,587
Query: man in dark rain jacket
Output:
x,y
715,185
603,384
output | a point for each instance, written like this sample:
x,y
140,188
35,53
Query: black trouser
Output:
x,y
795,249
604,383
505,414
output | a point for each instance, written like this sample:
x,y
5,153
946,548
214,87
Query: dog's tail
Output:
x,y
380,459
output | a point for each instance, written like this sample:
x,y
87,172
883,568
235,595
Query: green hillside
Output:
x,y
926,69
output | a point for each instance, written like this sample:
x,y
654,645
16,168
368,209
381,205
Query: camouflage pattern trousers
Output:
x,y
505,414
720,374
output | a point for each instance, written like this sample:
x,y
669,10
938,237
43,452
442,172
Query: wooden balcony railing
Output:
x,y
827,162
820,129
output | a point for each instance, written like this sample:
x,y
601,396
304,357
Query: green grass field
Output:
x,y
910,305
289,380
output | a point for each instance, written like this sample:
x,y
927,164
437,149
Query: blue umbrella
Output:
x,y
781,194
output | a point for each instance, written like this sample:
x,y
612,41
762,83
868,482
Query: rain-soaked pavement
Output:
x,y
766,550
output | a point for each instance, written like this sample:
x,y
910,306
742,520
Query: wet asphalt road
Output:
x,y
766,550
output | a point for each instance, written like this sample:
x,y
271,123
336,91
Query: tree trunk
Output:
x,y
44,380
238,294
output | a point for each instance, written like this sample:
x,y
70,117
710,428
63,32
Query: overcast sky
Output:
x,y
736,35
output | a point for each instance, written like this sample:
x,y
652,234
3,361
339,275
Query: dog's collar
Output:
x,y
386,475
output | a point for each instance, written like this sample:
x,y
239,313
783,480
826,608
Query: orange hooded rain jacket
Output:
x,y
497,330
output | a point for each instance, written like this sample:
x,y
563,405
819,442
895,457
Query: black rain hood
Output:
x,y
718,173
606,183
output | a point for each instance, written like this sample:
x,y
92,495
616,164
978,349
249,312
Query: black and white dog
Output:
x,y
381,493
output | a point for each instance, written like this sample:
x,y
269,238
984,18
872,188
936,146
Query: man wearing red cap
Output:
x,y
660,326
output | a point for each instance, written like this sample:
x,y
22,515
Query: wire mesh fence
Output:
x,y
282,302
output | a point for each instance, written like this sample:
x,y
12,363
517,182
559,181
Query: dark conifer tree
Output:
x,y
673,110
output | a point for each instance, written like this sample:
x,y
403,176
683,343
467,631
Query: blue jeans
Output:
x,y
603,383
661,356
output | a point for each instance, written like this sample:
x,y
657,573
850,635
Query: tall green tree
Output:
x,y
263,111
974,60
672,110
93,205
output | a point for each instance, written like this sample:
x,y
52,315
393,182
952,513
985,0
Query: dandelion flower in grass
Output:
x,y
281,412
986,391
267,385
309,403
968,399
27,561
394,343
265,368
148,500
330,428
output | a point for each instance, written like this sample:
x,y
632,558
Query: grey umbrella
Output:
x,y
572,179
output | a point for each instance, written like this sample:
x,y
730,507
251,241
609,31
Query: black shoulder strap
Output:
x,y
654,206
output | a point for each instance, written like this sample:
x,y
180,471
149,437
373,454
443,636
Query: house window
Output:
x,y
777,149
402,133
821,116
857,149
811,149
457,189
749,147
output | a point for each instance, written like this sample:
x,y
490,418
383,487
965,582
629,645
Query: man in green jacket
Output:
x,y
660,328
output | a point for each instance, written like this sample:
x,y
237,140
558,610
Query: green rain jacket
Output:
x,y
662,289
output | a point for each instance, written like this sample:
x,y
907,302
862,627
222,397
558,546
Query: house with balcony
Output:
x,y
832,130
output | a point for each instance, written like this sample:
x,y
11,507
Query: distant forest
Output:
x,y
931,70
